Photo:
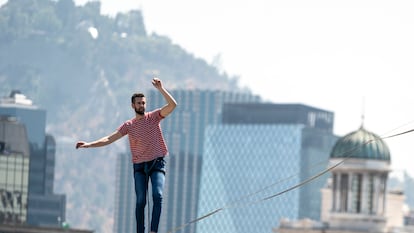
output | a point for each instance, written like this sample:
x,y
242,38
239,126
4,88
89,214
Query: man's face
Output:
x,y
139,105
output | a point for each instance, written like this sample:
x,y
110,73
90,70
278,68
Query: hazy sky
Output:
x,y
334,55
342,56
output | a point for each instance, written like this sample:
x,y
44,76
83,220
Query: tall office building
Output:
x,y
14,171
317,138
263,149
44,207
184,134
124,213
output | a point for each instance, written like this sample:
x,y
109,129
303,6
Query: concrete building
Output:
x,y
44,208
356,199
263,149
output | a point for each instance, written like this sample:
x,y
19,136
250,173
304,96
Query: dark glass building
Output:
x,y
270,113
14,171
44,207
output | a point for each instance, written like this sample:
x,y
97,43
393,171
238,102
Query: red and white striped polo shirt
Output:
x,y
145,137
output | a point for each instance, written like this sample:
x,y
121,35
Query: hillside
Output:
x,y
81,67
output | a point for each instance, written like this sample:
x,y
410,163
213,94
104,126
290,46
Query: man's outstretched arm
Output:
x,y
100,142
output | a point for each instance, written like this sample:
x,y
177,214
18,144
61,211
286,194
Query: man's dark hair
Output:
x,y
136,95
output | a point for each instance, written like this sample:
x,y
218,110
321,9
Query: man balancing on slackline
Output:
x,y
148,150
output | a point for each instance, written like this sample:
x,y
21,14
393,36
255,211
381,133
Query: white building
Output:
x,y
356,198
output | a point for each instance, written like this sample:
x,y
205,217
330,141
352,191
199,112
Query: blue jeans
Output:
x,y
154,170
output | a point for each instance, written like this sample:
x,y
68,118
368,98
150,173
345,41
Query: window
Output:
x,y
356,190
343,202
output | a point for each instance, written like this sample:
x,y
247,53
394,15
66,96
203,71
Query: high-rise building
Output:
x,y
317,138
44,207
14,171
124,216
184,134
262,150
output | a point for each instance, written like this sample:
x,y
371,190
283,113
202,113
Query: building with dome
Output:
x,y
355,198
358,188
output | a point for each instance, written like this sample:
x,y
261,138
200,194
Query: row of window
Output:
x,y
359,192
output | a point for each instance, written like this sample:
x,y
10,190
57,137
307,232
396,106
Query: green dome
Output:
x,y
361,144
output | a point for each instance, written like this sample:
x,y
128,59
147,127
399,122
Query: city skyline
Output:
x,y
352,58
171,124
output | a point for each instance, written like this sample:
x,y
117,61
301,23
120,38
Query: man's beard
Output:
x,y
140,111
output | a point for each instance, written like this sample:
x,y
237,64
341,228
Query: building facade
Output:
x,y
14,171
44,208
359,185
184,134
263,149
356,198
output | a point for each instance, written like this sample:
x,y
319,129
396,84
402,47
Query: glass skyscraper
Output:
x,y
317,141
263,149
14,171
44,207
240,160
184,134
